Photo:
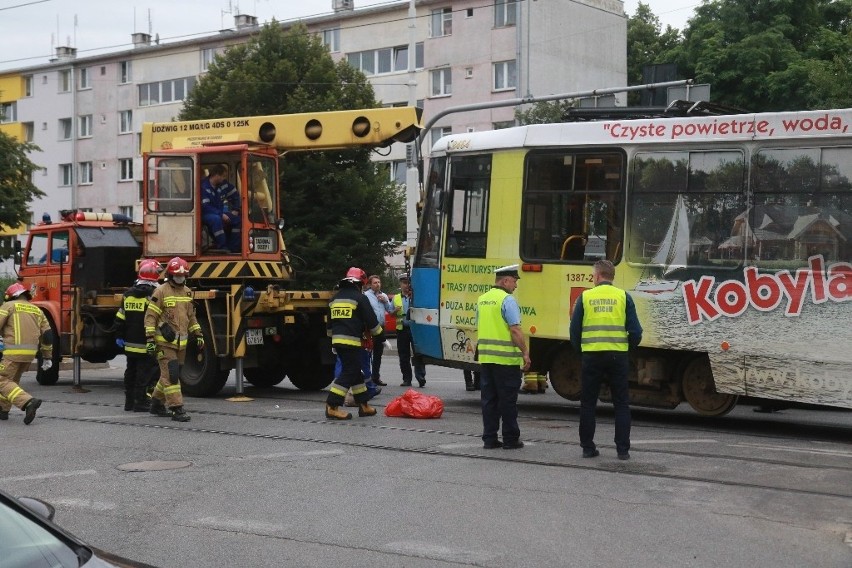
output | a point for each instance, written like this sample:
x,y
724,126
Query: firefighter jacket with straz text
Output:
x,y
171,305
23,326
350,314
130,319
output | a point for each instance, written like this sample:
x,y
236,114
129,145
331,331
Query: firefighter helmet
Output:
x,y
177,267
14,291
149,270
356,276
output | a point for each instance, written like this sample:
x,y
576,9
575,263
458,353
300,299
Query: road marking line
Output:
x,y
238,525
84,504
695,441
50,475
816,451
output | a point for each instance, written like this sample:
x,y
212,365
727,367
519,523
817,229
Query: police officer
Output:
x,y
350,314
604,326
23,331
404,341
141,371
502,353
169,320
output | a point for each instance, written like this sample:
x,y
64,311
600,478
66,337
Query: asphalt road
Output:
x,y
270,482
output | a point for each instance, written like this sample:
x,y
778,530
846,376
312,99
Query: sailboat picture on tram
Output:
x,y
670,256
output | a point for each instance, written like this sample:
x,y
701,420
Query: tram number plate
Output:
x,y
254,337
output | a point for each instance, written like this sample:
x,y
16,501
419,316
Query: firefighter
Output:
x,y
141,371
23,330
350,314
169,320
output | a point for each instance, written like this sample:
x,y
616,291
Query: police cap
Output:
x,y
511,270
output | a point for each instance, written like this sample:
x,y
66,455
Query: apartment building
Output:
x,y
85,113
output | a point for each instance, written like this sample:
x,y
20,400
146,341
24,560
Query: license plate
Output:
x,y
254,337
263,244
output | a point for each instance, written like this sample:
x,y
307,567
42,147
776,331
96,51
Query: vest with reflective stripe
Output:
x,y
398,310
604,317
495,340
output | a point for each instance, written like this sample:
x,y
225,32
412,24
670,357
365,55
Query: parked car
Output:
x,y
390,322
30,539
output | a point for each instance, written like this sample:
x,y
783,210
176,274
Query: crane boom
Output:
x,y
377,127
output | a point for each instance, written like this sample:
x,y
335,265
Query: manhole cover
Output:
x,y
154,465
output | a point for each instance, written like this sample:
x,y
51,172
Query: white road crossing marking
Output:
x,y
816,451
49,475
289,455
693,441
84,504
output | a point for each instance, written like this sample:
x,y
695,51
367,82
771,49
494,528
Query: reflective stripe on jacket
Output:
x,y
23,325
350,313
495,340
172,305
604,319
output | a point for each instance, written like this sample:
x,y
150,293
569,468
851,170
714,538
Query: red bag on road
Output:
x,y
413,404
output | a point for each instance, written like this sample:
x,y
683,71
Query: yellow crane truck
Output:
x,y
251,317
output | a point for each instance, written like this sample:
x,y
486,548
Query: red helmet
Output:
x,y
14,291
356,275
178,266
149,270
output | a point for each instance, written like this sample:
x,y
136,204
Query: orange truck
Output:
x,y
251,317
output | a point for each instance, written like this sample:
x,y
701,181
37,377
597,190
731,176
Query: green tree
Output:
x,y
17,189
340,209
544,112
647,44
770,55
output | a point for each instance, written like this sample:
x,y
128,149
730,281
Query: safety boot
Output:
x,y
366,410
143,406
4,414
128,401
179,414
30,408
158,408
334,413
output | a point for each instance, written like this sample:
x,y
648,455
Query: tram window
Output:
x,y
470,180
802,207
431,222
572,208
686,209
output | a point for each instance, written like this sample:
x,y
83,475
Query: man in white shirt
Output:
x,y
381,305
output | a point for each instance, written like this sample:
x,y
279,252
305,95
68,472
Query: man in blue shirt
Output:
x,y
220,209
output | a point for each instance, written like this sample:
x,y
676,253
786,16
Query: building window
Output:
x,y
207,57
125,169
505,13
8,112
442,22
29,131
85,83
442,82
125,122
65,131
126,210
124,72
503,124
85,122
331,39
66,175
28,85
385,60
85,173
65,81
505,75
439,132
162,92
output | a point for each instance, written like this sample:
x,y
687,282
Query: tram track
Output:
x,y
599,466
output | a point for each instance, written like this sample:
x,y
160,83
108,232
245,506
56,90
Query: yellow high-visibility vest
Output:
x,y
604,319
495,340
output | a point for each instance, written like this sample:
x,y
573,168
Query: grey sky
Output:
x,y
32,28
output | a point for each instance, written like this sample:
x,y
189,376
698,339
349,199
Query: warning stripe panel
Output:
x,y
235,269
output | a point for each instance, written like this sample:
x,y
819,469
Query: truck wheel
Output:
x,y
265,377
565,374
311,375
201,376
51,376
699,389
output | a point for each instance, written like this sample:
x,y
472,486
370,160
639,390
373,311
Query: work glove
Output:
x,y
120,342
150,346
46,365
199,342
